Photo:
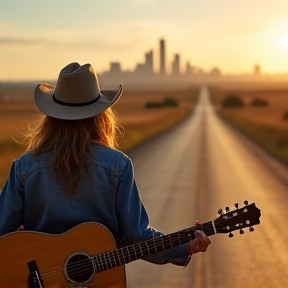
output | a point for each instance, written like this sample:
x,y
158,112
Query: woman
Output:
x,y
73,174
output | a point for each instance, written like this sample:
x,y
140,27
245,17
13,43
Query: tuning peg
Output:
x,y
236,205
227,209
251,229
246,202
220,212
230,235
241,231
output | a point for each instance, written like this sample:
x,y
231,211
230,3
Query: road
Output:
x,y
189,173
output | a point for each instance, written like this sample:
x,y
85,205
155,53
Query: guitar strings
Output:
x,y
106,260
101,263
126,253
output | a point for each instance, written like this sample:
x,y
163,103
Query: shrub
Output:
x,y
232,101
153,105
285,115
168,102
259,102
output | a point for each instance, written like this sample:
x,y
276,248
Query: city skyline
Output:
x,y
169,71
148,66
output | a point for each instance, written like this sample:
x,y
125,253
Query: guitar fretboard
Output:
x,y
125,255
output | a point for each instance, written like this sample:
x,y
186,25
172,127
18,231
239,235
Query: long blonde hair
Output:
x,y
70,143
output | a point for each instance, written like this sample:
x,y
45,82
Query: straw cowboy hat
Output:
x,y
77,94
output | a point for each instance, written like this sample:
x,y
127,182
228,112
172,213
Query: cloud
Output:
x,y
102,36
72,44
19,41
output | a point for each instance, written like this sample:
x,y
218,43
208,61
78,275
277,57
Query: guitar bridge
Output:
x,y
34,279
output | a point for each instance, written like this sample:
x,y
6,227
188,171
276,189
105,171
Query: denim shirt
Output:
x,y
34,198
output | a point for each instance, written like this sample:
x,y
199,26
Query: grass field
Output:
x,y
264,124
139,123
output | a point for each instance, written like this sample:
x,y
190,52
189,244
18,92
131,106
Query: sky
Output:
x,y
39,37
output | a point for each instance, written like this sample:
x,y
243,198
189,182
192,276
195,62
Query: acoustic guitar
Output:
x,y
87,255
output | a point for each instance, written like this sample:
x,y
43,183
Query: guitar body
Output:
x,y
50,253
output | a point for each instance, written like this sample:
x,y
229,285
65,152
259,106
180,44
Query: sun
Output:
x,y
283,41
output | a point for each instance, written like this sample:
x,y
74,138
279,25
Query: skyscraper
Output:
x,y
149,61
176,65
162,57
115,67
257,70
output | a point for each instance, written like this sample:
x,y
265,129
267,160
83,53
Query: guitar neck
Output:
x,y
125,255
231,220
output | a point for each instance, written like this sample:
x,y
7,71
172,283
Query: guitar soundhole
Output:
x,y
79,268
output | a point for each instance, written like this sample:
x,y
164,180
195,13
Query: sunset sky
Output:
x,y
39,37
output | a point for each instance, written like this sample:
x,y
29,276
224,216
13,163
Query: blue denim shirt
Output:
x,y
34,198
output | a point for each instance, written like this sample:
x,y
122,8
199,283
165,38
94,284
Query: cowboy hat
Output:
x,y
77,94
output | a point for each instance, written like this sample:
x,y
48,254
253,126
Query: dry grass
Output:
x,y
14,118
265,125
139,122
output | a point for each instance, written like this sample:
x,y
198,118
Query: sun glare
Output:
x,y
283,41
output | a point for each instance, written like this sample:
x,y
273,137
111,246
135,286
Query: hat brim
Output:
x,y
43,97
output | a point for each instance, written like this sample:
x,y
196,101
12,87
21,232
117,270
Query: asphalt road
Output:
x,y
189,173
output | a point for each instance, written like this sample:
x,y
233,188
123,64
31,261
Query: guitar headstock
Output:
x,y
240,218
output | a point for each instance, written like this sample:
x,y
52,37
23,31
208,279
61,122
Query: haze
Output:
x,y
38,38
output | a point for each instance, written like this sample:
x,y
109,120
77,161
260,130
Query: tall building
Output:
x,y
176,65
162,57
149,61
147,67
257,70
189,69
115,67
